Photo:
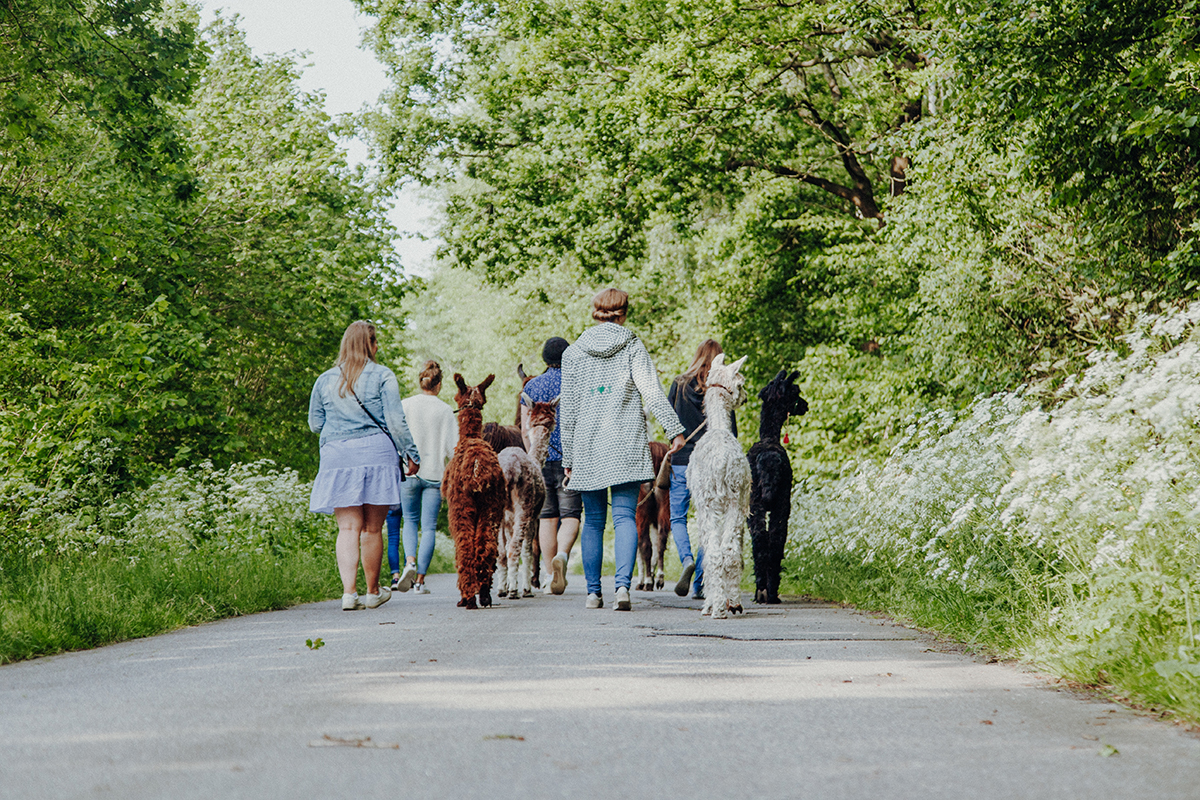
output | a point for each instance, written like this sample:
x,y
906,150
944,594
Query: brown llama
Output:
x,y
525,495
653,519
473,486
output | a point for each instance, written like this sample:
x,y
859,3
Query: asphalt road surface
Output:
x,y
540,698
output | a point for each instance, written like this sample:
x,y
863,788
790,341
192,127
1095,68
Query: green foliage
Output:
x,y
1101,97
181,247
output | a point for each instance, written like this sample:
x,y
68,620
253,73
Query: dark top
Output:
x,y
689,405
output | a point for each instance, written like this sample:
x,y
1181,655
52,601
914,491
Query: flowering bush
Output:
x,y
1071,536
251,507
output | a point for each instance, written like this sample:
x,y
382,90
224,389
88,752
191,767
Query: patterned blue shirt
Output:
x,y
543,389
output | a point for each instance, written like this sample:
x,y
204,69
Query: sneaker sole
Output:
x,y
406,581
685,580
623,605
558,584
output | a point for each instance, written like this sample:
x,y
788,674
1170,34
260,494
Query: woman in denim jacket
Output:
x,y
356,408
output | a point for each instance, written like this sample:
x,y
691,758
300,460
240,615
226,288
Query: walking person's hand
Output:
x,y
677,444
412,468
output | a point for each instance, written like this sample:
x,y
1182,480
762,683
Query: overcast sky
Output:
x,y
330,31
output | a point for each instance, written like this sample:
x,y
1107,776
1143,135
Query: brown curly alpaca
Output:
x,y
473,486
653,520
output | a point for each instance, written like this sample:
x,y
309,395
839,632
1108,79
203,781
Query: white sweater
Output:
x,y
435,430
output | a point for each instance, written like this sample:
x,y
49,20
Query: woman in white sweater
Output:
x,y
607,376
435,432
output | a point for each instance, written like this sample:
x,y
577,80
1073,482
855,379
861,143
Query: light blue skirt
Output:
x,y
356,472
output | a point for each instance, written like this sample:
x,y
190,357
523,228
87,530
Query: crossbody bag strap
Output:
x,y
381,427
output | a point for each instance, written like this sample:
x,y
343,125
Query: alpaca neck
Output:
x,y
470,423
769,426
716,409
539,444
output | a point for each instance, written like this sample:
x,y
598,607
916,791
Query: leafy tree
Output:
x,y
1101,97
181,245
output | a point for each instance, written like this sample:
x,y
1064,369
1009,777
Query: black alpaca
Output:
x,y
771,484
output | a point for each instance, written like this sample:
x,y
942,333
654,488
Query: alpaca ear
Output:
x,y
460,383
735,366
486,383
779,376
526,399
718,361
554,402
521,372
792,378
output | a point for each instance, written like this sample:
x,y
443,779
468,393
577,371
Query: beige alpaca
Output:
x,y
526,491
718,477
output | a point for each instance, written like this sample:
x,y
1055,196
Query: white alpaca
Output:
x,y
526,491
718,477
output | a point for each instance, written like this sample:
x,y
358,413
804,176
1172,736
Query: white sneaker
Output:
x,y
407,578
420,588
595,601
558,565
350,602
376,600
623,603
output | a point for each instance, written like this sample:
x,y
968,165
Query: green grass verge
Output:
x,y
56,604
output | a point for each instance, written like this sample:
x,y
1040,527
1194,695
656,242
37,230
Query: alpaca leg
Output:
x,y
512,555
529,560
710,544
462,526
778,537
656,578
732,535
486,538
760,546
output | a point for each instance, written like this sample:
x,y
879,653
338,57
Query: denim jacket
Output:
x,y
339,418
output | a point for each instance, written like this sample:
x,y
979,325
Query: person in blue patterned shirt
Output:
x,y
559,524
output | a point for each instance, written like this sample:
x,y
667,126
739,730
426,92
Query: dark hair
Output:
x,y
553,349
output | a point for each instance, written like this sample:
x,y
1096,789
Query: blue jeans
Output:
x,y
681,501
419,499
595,514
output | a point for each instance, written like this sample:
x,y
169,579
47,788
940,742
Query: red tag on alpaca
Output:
x,y
786,440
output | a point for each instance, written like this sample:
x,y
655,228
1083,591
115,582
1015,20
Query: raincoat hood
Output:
x,y
604,340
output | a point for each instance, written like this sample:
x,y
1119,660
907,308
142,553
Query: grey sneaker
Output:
x,y
395,581
685,580
623,603
420,588
350,602
558,583
376,600
406,579
595,601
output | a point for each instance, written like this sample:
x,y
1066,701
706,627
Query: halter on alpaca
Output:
x,y
718,478
771,485
473,486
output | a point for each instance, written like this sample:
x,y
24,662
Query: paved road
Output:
x,y
541,698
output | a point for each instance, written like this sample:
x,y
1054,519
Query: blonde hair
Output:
x,y
431,375
354,354
701,363
610,304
